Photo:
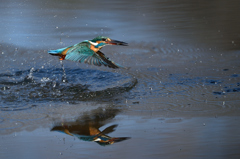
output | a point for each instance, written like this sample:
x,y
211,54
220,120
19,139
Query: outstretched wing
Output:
x,y
82,53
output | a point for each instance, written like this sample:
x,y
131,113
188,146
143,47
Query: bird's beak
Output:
x,y
116,42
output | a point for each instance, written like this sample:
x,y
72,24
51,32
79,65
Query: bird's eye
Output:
x,y
104,39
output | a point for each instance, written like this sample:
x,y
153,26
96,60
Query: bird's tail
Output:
x,y
57,52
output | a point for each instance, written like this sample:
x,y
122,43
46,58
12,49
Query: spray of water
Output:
x,y
64,77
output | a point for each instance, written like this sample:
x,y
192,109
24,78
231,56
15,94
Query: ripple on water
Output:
x,y
28,116
20,88
181,93
16,107
11,125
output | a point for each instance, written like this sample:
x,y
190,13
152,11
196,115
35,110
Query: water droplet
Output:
x,y
30,73
45,79
54,84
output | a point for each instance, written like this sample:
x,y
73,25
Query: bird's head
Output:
x,y
102,41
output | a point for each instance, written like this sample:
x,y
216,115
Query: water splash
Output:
x,y
64,77
44,85
30,75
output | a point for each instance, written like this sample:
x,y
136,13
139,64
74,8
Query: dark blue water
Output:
x,y
44,85
180,97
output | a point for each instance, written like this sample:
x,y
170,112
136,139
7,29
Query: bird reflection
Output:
x,y
87,127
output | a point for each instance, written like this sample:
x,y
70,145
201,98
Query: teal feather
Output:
x,y
100,45
82,53
99,38
58,51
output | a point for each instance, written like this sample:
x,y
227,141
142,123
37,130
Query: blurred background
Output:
x,y
43,24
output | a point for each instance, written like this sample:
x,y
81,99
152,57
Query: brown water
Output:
x,y
179,99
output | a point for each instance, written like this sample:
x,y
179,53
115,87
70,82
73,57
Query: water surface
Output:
x,y
180,97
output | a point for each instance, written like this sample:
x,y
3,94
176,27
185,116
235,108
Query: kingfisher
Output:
x,y
89,132
88,51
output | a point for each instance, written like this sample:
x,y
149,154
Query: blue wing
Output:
x,y
82,53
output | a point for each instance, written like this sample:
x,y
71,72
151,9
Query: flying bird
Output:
x,y
88,51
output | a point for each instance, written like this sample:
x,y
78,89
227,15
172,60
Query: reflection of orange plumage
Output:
x,y
88,130
93,131
90,133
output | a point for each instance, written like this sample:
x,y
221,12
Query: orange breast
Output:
x,y
94,49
